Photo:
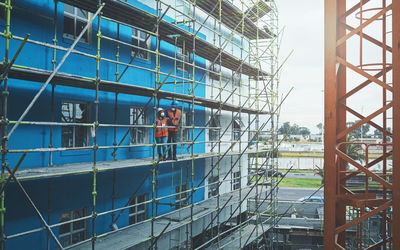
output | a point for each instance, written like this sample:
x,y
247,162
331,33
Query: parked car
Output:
x,y
270,172
311,199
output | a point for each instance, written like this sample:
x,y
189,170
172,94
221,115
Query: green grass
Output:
x,y
300,183
290,154
297,171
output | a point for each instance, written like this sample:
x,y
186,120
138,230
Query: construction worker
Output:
x,y
161,133
174,115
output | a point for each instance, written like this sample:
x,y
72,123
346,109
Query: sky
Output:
x,y
303,23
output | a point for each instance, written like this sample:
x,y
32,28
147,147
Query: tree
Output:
x,y
319,171
294,130
354,151
360,131
304,131
388,138
378,133
287,129
284,129
365,129
356,133
320,126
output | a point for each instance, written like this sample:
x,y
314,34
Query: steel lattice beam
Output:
x,y
338,30
396,125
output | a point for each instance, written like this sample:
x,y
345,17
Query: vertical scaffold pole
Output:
x,y
249,103
175,90
114,155
54,64
96,127
219,131
274,95
257,124
192,114
212,138
4,124
52,114
155,163
240,119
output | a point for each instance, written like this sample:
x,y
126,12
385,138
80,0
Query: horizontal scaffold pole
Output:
x,y
55,71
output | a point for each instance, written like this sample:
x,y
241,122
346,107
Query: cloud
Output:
x,y
304,26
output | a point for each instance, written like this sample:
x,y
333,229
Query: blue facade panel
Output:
x,y
73,192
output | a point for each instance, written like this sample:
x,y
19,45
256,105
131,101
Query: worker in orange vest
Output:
x,y
174,116
161,133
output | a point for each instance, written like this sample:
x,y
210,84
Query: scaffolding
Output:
x,y
249,29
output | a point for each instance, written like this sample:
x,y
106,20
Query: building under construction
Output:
x,y
82,81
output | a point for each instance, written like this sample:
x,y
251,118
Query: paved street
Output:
x,y
287,193
303,175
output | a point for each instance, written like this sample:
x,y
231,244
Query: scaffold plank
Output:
x,y
232,17
86,167
129,14
39,75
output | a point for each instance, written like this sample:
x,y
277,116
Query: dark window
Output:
x,y
74,232
226,77
216,69
237,124
317,241
186,132
181,199
212,186
236,180
184,60
235,80
75,136
254,136
75,20
215,122
139,135
138,213
139,40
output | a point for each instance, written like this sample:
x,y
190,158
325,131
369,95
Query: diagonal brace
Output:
x,y
54,71
34,207
12,174
9,65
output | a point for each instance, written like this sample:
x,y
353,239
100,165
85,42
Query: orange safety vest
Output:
x,y
174,118
161,129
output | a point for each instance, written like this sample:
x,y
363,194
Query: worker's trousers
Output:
x,y
172,138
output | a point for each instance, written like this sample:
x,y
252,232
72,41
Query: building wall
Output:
x,y
226,177
240,48
34,56
58,195
74,192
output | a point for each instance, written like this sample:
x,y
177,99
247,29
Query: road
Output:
x,y
303,175
288,193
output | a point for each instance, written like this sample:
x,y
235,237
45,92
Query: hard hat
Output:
x,y
160,109
174,103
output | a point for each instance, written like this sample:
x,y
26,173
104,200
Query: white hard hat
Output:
x,y
160,109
